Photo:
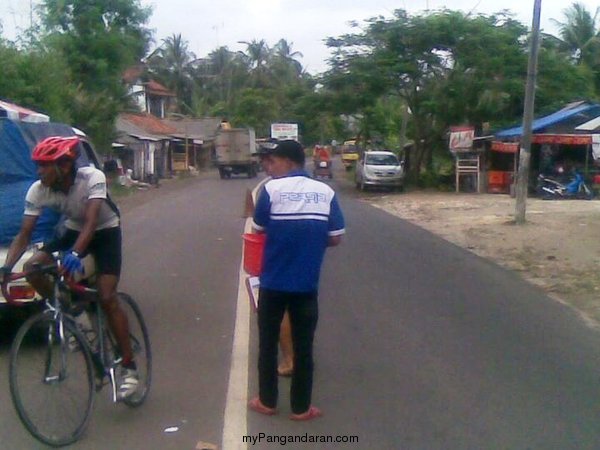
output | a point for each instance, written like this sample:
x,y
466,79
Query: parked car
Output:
x,y
17,174
379,168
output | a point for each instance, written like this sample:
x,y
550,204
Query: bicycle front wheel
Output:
x,y
140,344
51,379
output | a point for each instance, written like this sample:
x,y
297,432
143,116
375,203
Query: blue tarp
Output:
x,y
17,173
587,111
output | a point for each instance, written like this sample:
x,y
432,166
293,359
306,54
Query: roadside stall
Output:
x,y
559,148
502,161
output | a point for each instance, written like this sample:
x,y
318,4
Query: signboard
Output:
x,y
505,147
461,138
564,139
284,131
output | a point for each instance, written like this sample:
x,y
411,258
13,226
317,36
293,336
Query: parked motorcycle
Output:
x,y
551,189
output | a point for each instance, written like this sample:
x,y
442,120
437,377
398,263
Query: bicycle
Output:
x,y
55,370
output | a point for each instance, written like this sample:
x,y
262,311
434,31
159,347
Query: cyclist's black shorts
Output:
x,y
105,246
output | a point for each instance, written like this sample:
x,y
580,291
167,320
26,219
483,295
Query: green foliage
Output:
x,y
170,64
257,109
449,68
36,78
445,67
98,40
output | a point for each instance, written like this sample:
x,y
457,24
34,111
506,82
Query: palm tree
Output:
x,y
257,53
579,33
171,63
227,72
257,57
284,53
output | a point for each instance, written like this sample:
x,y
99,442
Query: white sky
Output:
x,y
207,24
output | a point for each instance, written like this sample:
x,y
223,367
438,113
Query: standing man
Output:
x,y
92,226
286,366
301,218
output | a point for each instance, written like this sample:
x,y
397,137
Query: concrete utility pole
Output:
x,y
525,152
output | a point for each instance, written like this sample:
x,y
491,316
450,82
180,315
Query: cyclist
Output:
x,y
92,227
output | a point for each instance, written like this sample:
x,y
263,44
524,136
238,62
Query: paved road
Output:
x,y
420,344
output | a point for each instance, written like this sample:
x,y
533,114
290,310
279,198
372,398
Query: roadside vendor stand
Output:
x,y
503,160
549,151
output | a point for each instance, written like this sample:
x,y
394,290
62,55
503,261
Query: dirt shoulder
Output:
x,y
558,249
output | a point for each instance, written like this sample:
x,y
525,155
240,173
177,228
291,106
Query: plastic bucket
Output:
x,y
253,253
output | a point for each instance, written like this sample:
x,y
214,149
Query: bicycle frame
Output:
x,y
103,363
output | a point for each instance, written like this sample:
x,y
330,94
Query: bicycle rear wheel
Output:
x,y
51,382
140,344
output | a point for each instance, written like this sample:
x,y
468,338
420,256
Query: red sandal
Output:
x,y
257,406
312,413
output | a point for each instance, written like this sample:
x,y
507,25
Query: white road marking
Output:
x,y
235,424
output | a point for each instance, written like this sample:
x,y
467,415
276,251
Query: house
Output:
x,y
146,145
149,95
154,142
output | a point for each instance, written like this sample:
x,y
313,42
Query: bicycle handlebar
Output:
x,y
47,269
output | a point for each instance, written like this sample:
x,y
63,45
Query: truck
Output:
x,y
235,148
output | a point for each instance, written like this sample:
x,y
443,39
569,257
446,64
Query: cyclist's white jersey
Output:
x,y
89,183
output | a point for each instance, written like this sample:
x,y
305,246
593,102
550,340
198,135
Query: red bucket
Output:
x,y
253,253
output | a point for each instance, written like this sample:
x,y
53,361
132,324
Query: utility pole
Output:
x,y
525,151
402,136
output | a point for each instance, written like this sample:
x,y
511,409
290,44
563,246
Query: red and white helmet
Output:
x,y
53,148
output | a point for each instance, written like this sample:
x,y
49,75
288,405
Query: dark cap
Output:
x,y
265,148
291,150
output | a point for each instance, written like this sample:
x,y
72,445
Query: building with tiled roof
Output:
x,y
149,95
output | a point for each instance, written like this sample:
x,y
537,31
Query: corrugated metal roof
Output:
x,y
205,128
142,126
586,111
151,124
592,125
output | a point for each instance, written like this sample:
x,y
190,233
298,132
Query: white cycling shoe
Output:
x,y
129,383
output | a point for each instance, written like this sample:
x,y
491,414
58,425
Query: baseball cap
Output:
x,y
291,150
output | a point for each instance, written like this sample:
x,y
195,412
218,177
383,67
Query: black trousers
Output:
x,y
304,314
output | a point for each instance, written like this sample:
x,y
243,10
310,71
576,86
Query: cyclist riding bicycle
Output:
x,y
92,224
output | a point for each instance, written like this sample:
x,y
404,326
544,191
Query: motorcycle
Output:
x,y
549,188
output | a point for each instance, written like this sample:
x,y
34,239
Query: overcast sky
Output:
x,y
305,23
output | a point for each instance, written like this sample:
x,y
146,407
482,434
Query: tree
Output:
x,y
285,58
257,55
37,79
256,108
98,39
579,34
171,63
447,67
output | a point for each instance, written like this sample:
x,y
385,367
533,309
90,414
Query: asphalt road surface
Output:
x,y
420,344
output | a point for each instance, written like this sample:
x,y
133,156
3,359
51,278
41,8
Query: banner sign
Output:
x,y
566,139
461,138
284,131
505,147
